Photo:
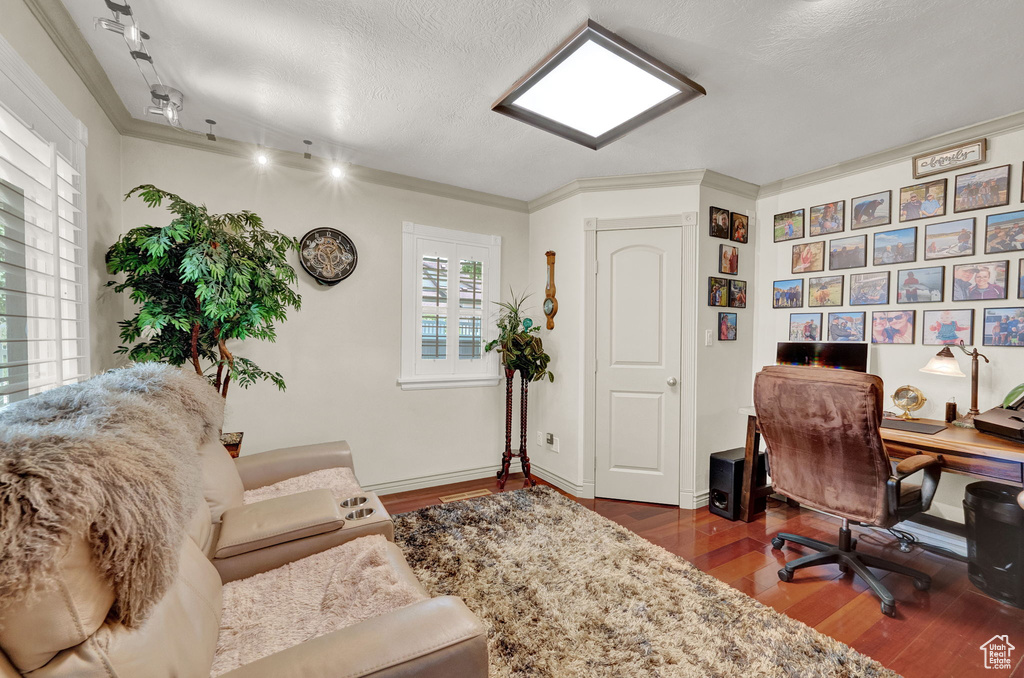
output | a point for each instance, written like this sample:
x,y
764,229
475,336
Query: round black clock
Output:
x,y
328,255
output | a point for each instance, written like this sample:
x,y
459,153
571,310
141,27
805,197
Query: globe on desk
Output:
x,y
909,399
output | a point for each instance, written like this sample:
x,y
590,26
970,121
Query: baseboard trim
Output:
x,y
688,499
432,480
575,489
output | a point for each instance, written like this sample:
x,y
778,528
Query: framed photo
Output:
x,y
1020,279
920,285
948,327
805,327
922,201
788,293
738,293
950,158
789,225
809,257
846,326
728,259
981,189
719,223
949,239
895,247
825,291
985,280
1003,327
849,252
869,289
828,218
892,327
871,210
1004,232
718,292
740,223
727,327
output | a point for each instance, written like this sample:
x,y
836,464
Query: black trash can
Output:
x,y
995,540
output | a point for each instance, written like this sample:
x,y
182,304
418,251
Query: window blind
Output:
x,y
43,328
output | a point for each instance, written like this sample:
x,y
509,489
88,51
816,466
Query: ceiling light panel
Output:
x,y
595,88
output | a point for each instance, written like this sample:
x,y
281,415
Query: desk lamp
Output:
x,y
945,363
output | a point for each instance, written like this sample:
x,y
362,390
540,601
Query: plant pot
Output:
x,y
233,442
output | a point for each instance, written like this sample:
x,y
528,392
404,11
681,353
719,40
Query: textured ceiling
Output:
x,y
406,85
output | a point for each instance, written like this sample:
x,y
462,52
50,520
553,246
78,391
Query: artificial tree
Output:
x,y
199,282
521,351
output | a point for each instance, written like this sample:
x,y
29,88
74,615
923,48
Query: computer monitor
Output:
x,y
837,355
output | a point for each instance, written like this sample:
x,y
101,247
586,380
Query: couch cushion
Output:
x,y
222,487
200,529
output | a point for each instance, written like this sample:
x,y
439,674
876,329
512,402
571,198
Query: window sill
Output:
x,y
448,381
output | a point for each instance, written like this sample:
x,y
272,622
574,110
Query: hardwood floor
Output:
x,y
935,634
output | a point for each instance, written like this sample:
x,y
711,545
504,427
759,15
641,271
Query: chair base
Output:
x,y
844,555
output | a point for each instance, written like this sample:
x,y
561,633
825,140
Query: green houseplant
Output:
x,y
521,351
199,282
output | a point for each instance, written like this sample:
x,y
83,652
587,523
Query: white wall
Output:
x,y
900,364
340,354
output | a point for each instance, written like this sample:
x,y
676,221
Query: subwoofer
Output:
x,y
726,476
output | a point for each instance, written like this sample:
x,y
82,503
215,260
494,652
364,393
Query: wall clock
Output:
x,y
550,303
328,255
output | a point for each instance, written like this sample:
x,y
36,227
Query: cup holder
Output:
x,y
353,501
359,514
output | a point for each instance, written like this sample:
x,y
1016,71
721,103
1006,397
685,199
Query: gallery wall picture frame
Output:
x,y
826,290
982,189
738,293
719,223
788,225
869,289
872,210
718,292
805,327
1022,184
980,281
923,201
827,218
1003,327
729,259
893,327
788,293
809,257
851,252
727,327
1004,232
924,285
740,231
950,158
898,246
947,326
1020,279
846,325
949,239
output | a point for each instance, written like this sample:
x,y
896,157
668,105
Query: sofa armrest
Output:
x,y
273,466
276,521
436,638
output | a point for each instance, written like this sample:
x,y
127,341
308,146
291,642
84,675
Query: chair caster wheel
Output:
x,y
785,575
922,584
853,545
844,568
778,543
889,609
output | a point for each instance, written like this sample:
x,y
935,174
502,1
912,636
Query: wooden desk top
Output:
x,y
956,439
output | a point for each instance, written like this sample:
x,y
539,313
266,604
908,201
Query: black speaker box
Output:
x,y
726,476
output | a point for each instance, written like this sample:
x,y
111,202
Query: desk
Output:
x,y
960,450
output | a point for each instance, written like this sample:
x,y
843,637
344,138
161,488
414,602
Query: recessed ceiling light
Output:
x,y
595,88
337,172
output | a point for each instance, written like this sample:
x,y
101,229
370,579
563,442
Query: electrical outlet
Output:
x,y
554,445
708,337
551,439
540,438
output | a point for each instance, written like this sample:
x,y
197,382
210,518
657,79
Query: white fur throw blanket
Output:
x,y
272,611
115,458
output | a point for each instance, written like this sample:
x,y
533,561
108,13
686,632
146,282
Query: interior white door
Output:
x,y
639,314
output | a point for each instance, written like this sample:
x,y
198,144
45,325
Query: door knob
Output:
x,y
672,381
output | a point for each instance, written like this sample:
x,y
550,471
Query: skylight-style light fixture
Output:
x,y
595,88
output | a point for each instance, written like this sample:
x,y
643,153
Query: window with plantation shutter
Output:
x,y
450,280
43,305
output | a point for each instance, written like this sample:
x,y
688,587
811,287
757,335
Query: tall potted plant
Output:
x,y
199,282
521,351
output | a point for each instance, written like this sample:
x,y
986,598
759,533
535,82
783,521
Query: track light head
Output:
x,y
262,160
337,172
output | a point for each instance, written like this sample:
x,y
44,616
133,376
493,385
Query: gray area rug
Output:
x,y
566,593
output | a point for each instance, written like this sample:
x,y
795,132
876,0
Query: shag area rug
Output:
x,y
566,593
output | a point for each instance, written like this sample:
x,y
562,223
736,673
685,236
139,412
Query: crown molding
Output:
x,y
724,182
993,127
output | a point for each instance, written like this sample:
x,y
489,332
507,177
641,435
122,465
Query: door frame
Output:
x,y
689,281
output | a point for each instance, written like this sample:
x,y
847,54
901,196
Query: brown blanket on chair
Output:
x,y
114,458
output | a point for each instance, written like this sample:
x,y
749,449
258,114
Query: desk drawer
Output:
x,y
966,464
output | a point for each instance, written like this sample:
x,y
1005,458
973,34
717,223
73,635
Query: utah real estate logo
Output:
x,y
997,650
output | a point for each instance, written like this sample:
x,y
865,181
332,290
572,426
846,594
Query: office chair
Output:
x,y
825,451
